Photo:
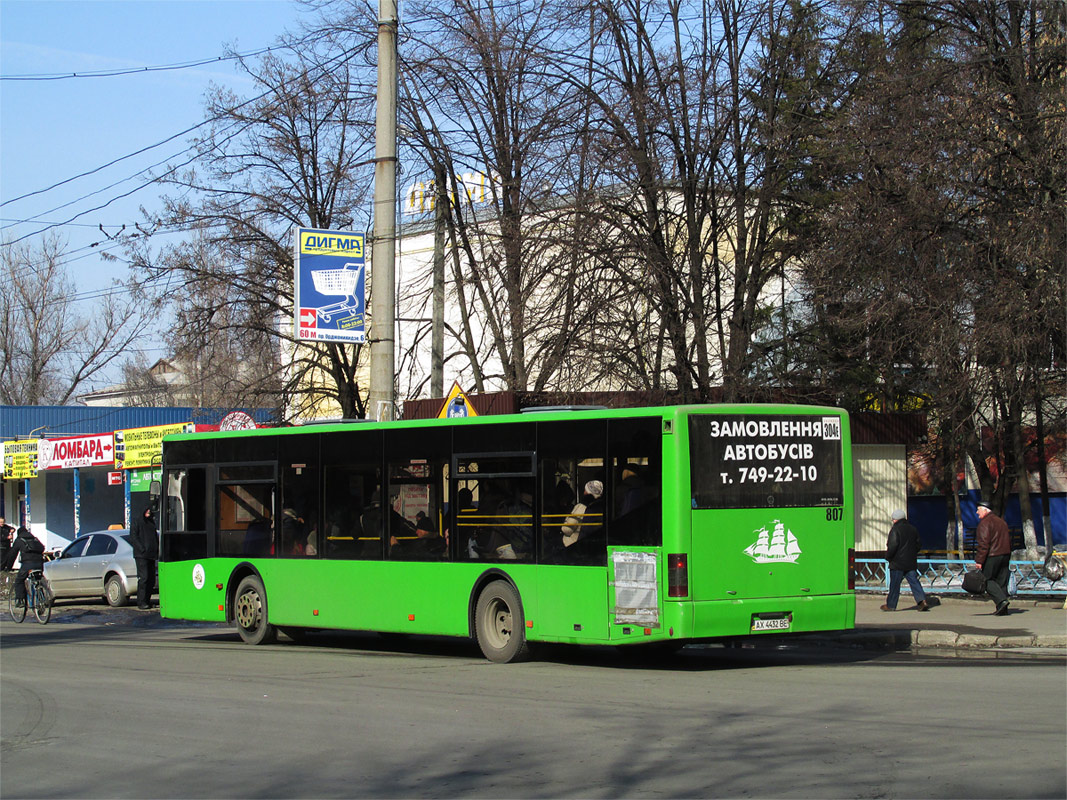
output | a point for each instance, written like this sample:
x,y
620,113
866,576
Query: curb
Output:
x,y
943,639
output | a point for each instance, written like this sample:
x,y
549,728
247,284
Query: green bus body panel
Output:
x,y
720,569
570,597
180,599
570,604
381,596
734,617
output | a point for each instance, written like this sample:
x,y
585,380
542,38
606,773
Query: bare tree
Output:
x,y
698,111
939,226
479,96
49,348
294,155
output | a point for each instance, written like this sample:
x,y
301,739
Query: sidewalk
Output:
x,y
958,622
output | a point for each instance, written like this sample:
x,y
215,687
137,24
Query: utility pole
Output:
x,y
383,254
437,338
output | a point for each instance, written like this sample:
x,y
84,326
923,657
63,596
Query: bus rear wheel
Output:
x,y
499,624
250,612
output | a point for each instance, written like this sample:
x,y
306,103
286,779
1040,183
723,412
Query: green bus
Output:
x,y
572,525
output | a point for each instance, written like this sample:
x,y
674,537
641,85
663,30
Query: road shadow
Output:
x,y
691,658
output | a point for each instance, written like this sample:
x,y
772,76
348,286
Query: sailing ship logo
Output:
x,y
780,546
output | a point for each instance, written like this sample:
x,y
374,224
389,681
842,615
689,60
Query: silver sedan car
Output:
x,y
97,564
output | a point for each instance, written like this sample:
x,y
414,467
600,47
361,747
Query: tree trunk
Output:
x,y
1022,482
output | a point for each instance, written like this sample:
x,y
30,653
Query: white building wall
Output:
x,y
880,474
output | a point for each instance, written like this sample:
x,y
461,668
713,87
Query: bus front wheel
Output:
x,y
499,624
250,612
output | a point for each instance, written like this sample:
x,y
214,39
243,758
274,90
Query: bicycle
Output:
x,y
38,597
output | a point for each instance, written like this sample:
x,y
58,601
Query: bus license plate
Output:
x,y
774,624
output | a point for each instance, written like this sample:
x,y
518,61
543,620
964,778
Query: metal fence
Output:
x,y
945,576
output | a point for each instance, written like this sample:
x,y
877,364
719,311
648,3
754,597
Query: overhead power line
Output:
x,y
151,146
110,73
330,63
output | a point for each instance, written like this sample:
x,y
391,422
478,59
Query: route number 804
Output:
x,y
835,514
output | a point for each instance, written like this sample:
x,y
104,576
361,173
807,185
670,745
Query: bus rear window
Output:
x,y
765,461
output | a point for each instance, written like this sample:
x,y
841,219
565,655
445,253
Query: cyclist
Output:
x,y
32,551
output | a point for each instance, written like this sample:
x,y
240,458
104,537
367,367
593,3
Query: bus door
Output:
x,y
769,516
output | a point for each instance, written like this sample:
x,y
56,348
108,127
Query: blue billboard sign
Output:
x,y
329,286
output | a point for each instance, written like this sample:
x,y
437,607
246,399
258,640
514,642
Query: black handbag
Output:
x,y
974,581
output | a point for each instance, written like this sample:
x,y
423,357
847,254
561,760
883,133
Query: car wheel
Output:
x,y
114,592
250,612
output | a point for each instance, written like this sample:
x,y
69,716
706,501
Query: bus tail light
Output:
x,y
851,568
677,575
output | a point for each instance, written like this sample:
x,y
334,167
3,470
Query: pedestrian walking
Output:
x,y
902,553
144,538
993,555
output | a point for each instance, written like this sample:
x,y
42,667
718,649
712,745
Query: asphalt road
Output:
x,y
119,704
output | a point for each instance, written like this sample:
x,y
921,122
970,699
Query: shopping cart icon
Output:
x,y
338,283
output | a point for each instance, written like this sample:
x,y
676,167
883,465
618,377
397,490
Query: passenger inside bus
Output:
x,y
586,517
372,519
634,491
637,518
342,534
294,533
426,546
259,537
512,537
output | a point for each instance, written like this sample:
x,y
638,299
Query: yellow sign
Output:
x,y
457,404
20,459
331,243
135,447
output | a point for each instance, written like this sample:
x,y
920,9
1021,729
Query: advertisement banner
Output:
x,y
20,459
141,479
136,447
328,286
76,451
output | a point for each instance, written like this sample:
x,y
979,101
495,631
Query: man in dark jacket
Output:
x,y
31,553
993,555
902,553
144,538
5,539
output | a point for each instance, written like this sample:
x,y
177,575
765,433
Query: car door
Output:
x,y
94,563
63,571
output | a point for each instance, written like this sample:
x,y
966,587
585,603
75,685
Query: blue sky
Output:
x,y
52,130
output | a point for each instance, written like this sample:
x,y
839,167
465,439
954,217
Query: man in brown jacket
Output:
x,y
993,555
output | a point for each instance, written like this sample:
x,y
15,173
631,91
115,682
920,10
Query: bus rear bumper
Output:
x,y
768,615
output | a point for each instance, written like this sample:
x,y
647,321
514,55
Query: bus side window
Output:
x,y
571,470
298,517
245,514
351,511
414,512
636,452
